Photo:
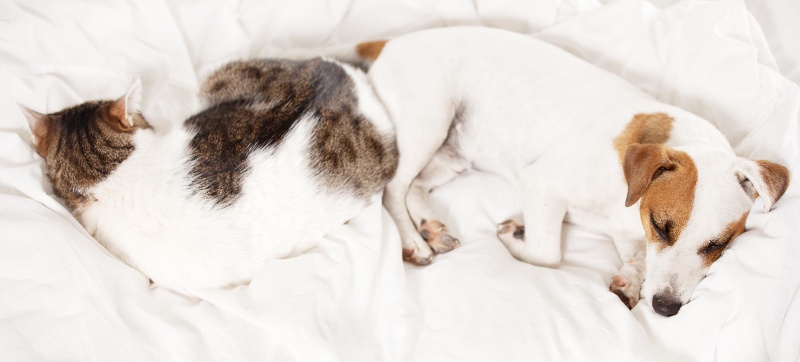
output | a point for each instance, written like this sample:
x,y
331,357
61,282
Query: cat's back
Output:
x,y
285,152
256,105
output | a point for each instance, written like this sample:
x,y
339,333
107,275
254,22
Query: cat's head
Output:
x,y
83,144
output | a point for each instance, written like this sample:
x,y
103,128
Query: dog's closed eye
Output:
x,y
715,246
662,231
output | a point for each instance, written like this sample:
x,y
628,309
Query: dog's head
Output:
x,y
694,202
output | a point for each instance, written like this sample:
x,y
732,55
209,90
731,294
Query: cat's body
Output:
x,y
292,151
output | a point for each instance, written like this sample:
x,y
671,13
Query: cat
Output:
x,y
284,152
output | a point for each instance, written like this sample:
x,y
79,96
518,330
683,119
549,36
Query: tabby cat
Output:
x,y
285,152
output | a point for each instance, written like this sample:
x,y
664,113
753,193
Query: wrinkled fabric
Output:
x,y
352,298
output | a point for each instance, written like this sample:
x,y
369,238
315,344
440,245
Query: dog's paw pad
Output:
x,y
511,229
623,288
444,243
435,234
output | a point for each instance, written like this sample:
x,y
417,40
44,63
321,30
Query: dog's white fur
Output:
x,y
504,103
163,227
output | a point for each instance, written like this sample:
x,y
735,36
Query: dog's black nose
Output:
x,y
666,305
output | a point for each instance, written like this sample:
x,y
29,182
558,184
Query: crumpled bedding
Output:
x,y
352,298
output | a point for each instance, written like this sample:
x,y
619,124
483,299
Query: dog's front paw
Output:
x,y
528,249
435,234
510,230
415,256
627,292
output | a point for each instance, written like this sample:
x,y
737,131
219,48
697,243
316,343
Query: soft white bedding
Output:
x,y
62,296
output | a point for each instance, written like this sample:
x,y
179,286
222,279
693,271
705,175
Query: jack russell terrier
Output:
x,y
582,144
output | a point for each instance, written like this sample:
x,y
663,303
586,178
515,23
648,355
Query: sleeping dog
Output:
x,y
583,146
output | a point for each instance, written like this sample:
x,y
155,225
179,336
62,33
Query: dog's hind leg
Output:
x,y
415,249
628,281
421,131
539,241
422,107
443,167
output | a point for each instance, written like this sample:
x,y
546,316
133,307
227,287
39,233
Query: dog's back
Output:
x,y
507,87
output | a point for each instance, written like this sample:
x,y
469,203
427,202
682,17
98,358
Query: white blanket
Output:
x,y
62,296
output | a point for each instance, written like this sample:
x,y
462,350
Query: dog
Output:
x,y
583,146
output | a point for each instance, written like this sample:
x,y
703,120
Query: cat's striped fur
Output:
x,y
264,172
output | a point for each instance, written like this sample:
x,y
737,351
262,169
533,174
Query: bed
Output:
x,y
64,297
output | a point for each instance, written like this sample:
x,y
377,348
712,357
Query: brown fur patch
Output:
x,y
641,165
347,149
669,197
776,177
733,230
82,145
644,128
370,50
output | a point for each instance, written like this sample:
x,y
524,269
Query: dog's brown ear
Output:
x,y
763,178
642,164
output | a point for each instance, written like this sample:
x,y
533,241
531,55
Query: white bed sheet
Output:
x,y
62,296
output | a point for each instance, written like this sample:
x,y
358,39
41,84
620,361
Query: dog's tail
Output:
x,y
360,55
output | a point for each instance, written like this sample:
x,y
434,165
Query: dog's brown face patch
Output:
x,y
82,145
662,178
712,250
667,201
644,128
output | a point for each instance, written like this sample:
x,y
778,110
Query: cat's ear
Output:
x,y
36,121
128,105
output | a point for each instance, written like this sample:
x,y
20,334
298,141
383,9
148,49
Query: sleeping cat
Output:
x,y
285,152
